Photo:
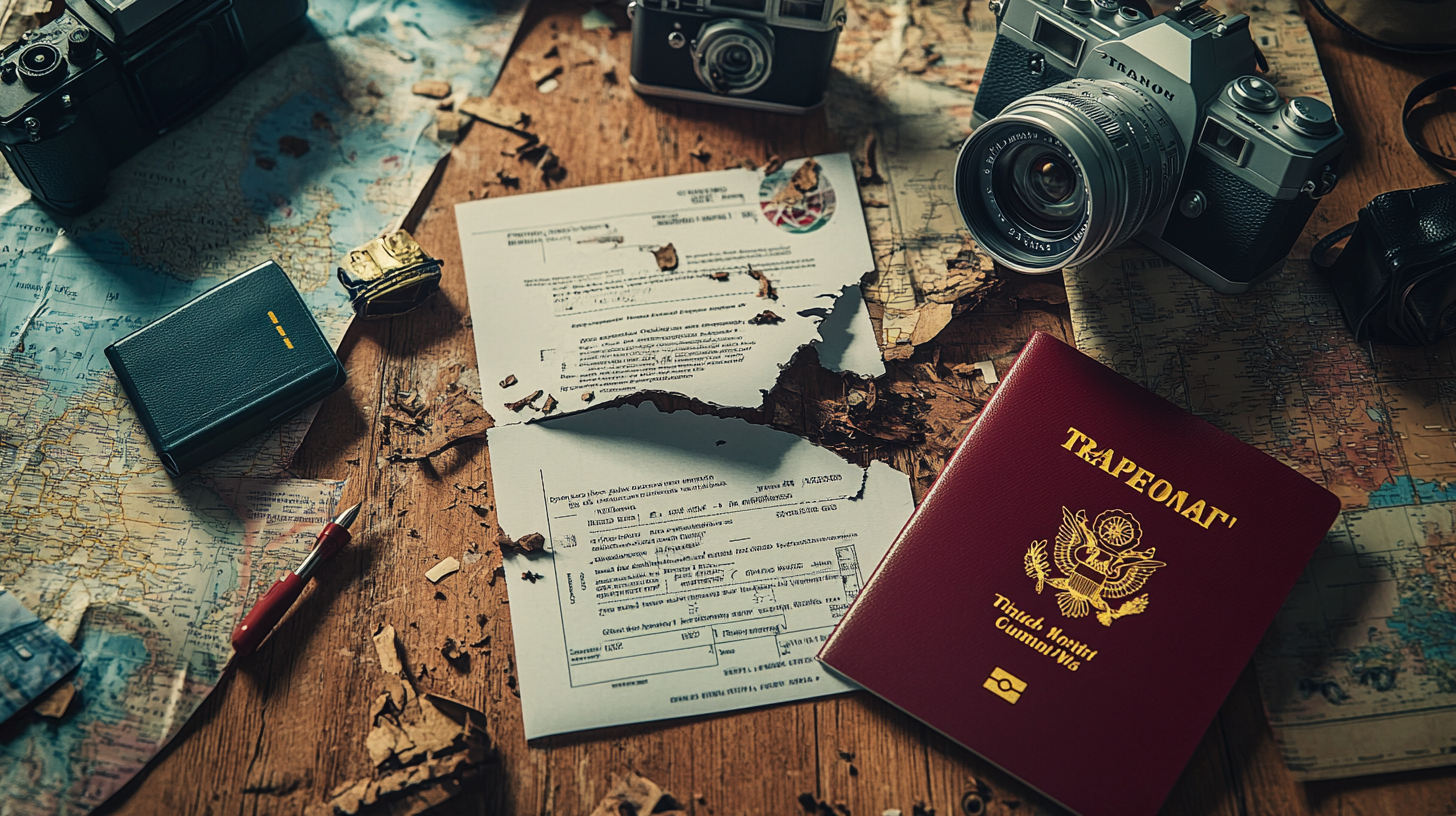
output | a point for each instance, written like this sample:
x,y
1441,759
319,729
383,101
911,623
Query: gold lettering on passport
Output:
x,y
1098,563
1019,625
1145,481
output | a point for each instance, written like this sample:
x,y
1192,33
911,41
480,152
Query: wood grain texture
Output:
x,y
288,726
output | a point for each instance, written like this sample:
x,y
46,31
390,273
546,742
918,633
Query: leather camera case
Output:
x,y
1396,278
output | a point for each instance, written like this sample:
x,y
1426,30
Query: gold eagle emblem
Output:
x,y
1099,563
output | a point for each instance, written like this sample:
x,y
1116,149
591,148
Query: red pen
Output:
x,y
270,608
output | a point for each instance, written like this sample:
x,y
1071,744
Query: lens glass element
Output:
x,y
1045,188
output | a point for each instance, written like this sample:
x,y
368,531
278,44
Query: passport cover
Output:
x,y
1083,584
237,359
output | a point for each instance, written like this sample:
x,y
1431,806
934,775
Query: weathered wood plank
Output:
x,y
289,725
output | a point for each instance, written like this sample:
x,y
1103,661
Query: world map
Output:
x,y
311,155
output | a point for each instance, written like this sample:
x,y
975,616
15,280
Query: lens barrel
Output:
x,y
733,57
1066,173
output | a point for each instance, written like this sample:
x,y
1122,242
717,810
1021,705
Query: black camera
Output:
x,y
1095,123
771,55
86,91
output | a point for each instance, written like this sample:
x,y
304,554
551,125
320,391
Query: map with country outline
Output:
x,y
316,152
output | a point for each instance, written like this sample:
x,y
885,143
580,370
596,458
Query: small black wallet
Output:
x,y
236,360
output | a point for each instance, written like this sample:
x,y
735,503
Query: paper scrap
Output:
x,y
595,19
611,286
445,568
424,748
683,548
433,88
635,795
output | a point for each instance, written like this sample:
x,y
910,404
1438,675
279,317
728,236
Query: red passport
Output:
x,y
1082,586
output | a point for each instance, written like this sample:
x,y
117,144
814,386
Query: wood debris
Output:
x,y
451,650
700,152
774,165
425,749
496,113
588,396
765,318
541,73
522,403
450,126
919,63
509,381
634,795
433,88
445,568
719,276
666,257
531,542
441,426
804,181
549,405
595,53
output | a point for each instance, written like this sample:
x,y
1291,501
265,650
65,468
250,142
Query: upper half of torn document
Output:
x,y
703,285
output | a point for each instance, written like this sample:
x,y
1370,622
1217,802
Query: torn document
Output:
x,y
692,564
653,285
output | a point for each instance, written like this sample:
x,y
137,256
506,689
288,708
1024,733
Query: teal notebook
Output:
x,y
238,359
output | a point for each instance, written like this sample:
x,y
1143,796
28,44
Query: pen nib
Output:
x,y
347,517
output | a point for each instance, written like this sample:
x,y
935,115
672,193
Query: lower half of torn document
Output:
x,y
692,564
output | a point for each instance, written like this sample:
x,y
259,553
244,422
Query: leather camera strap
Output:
x,y
1323,245
1418,94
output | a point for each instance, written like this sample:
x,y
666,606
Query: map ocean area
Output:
x,y
314,153
693,564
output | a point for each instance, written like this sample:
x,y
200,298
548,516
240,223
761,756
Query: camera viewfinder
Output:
x,y
1058,40
803,9
756,6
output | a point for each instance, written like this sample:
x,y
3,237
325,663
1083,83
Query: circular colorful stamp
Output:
x,y
798,200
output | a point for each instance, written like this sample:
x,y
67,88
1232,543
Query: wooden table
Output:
x,y
289,726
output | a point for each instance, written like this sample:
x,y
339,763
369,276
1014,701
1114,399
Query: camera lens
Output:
x,y
733,57
1066,173
1045,187
41,65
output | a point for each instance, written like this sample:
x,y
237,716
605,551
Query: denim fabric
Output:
x,y
32,657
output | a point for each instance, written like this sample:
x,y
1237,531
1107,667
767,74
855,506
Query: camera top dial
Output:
x,y
41,66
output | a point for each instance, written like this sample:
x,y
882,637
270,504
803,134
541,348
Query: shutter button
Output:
x,y
1254,93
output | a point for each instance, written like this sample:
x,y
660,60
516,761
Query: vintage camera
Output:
x,y
771,55
84,92
1095,122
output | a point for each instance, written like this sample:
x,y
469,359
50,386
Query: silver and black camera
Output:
x,y
771,55
1095,123
84,92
